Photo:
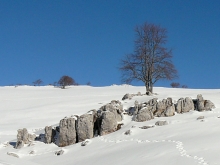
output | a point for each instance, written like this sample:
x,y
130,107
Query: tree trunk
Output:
x,y
148,89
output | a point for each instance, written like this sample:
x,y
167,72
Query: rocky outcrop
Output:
x,y
184,105
67,135
204,105
85,125
49,134
23,137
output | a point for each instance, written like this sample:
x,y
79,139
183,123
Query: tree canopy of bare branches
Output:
x,y
37,82
151,60
66,81
175,85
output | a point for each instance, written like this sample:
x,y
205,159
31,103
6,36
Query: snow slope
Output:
x,y
185,140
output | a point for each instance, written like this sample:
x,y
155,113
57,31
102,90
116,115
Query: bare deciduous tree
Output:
x,y
66,81
184,86
175,85
37,82
151,60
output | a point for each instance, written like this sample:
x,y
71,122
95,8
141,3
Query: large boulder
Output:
x,y
23,137
184,105
204,105
108,123
143,115
49,134
170,111
160,108
209,105
200,103
152,104
85,126
67,135
116,108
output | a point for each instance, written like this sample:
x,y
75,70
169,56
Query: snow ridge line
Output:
x,y
179,147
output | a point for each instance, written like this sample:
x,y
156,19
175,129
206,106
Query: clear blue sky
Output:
x,y
85,39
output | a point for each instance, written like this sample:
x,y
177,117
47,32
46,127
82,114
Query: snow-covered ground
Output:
x,y
184,141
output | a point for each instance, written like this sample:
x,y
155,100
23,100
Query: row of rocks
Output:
x,y
76,129
165,108
106,120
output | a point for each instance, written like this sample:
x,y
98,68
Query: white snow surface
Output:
x,y
184,141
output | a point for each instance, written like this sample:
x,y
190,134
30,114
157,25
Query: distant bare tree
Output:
x,y
38,82
66,81
184,86
88,83
151,60
175,85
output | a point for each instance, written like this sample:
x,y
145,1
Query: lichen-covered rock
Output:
x,y
143,115
160,108
115,107
127,96
67,135
170,111
209,105
152,104
204,105
49,134
85,126
184,105
200,117
23,137
200,103
108,123
161,123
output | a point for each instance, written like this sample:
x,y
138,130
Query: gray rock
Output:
x,y
85,126
60,152
67,135
31,152
49,134
146,127
19,144
170,111
143,115
108,123
12,154
161,123
160,108
127,96
153,105
184,105
200,117
115,107
200,103
139,94
23,137
128,132
209,105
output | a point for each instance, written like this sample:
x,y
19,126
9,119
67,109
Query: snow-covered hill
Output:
x,y
185,140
